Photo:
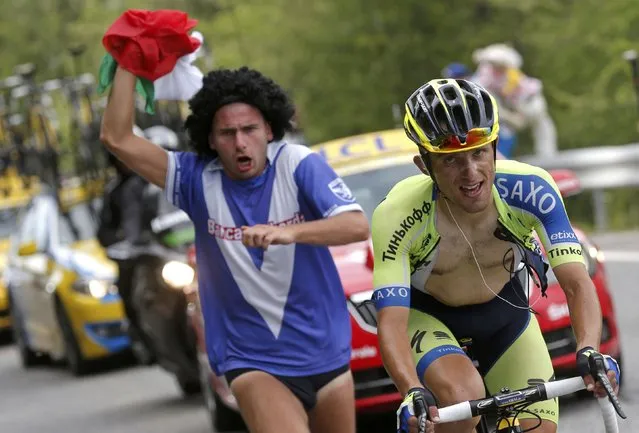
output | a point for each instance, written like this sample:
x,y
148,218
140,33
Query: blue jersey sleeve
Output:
x,y
535,193
324,190
184,169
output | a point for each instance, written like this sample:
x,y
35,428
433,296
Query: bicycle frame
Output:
x,y
39,143
467,344
508,425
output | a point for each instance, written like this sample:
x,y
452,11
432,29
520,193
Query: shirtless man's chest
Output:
x,y
455,279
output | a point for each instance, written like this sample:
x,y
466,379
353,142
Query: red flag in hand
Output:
x,y
149,43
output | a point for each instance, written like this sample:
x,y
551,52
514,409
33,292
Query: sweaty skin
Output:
x,y
454,279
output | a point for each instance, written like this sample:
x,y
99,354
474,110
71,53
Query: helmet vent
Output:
x,y
460,120
474,111
450,94
465,85
489,107
442,119
429,96
422,118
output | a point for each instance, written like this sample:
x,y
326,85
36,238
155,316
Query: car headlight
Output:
x,y
96,288
177,274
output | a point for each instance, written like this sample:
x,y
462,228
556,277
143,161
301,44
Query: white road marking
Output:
x,y
621,256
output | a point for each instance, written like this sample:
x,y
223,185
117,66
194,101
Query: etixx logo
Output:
x,y
563,236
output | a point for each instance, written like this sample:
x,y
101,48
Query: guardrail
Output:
x,y
598,169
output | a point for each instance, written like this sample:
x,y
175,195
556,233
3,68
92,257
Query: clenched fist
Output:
x,y
263,235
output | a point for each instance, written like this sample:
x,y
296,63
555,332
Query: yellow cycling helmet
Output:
x,y
446,116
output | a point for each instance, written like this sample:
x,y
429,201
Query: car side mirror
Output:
x,y
27,249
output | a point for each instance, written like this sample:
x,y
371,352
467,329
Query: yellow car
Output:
x,y
7,223
62,294
14,195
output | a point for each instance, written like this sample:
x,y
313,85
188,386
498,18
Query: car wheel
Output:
x,y
225,419
142,342
28,357
76,362
207,393
189,387
222,418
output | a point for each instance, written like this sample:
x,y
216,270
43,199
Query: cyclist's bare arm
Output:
x,y
391,280
140,155
566,259
392,326
583,304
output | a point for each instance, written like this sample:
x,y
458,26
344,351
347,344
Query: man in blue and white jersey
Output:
x,y
264,212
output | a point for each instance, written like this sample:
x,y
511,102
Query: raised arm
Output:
x,y
140,155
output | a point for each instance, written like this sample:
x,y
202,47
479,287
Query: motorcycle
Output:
x,y
160,276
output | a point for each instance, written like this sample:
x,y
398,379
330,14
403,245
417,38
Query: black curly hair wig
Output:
x,y
226,86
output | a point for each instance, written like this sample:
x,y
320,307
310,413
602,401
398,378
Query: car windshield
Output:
x,y
370,187
8,219
78,224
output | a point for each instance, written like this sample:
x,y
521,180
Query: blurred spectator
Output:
x,y
520,98
457,71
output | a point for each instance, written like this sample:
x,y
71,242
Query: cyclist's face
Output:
x,y
466,178
240,136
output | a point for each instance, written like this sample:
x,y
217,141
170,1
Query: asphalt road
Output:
x,y
129,399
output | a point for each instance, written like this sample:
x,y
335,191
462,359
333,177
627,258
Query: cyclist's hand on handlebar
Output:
x,y
417,411
585,366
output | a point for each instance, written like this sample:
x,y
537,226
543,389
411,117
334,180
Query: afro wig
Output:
x,y
225,86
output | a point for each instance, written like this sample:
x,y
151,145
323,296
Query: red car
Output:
x,y
370,164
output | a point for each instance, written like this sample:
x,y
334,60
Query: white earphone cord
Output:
x,y
479,267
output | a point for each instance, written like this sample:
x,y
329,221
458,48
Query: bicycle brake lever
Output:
x,y
421,413
598,370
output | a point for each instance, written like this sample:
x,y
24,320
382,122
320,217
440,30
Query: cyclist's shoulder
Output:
x,y
527,187
414,192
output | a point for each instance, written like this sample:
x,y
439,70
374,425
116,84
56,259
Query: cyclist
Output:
x,y
520,97
453,254
264,211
